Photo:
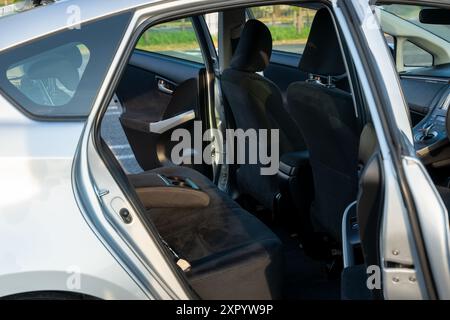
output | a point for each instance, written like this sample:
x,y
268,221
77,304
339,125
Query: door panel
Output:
x,y
144,92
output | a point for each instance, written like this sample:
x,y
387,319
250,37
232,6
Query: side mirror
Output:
x,y
435,16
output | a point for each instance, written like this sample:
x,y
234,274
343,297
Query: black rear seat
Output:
x,y
233,255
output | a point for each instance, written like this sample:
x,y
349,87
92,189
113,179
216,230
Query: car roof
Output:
x,y
44,20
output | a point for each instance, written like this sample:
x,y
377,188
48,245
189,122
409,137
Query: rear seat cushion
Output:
x,y
233,254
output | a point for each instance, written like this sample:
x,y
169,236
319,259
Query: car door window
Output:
x,y
414,56
176,39
289,25
59,76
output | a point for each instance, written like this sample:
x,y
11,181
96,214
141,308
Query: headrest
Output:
x,y
322,54
254,48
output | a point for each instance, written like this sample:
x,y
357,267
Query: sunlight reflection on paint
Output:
x,y
16,183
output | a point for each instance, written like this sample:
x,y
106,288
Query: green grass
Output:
x,y
165,40
288,33
161,40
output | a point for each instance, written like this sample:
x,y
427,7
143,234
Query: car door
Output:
x,y
429,216
162,90
410,255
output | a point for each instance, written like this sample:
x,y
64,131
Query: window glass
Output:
x,y
59,76
411,13
51,78
289,25
212,21
414,56
175,39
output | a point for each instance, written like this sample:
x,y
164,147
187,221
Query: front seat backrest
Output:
x,y
327,120
257,103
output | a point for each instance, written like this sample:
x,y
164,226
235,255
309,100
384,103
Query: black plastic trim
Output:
x,y
285,58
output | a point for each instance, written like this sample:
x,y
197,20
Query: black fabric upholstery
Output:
x,y
322,54
327,119
254,48
233,255
257,103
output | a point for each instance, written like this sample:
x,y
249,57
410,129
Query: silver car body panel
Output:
x,y
64,14
396,234
396,239
47,244
102,199
67,236
434,222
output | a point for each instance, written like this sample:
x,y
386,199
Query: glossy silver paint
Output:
x,y
58,207
46,243
63,15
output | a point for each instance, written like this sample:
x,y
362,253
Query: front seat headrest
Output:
x,y
254,48
322,54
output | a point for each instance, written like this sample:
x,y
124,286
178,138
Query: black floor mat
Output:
x,y
305,278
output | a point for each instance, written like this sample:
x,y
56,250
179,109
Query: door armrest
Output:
x,y
170,123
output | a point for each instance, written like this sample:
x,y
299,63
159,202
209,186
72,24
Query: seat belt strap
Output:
x,y
183,264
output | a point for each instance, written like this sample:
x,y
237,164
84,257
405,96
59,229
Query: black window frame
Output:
x,y
26,106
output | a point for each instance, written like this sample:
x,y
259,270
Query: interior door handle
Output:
x,y
167,124
163,86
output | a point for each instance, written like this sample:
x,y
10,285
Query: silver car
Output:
x,y
239,149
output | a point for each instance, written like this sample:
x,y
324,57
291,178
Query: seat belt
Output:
x,y
183,264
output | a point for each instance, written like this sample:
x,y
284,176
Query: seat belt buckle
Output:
x,y
184,265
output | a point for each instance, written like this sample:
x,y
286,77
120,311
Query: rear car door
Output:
x,y
406,248
161,90
417,49
429,221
